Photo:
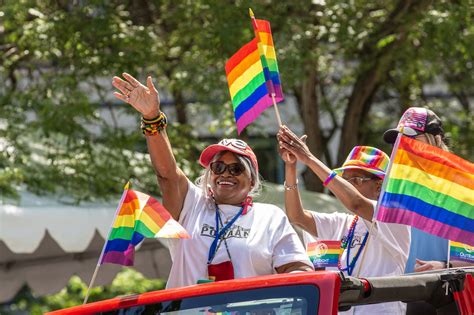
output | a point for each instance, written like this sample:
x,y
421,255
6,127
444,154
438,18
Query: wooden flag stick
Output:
x,y
449,254
277,111
92,282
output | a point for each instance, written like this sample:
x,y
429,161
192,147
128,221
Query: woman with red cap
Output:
x,y
231,237
357,184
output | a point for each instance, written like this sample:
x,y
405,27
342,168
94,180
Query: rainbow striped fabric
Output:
x,y
324,253
138,216
461,252
366,158
252,76
430,189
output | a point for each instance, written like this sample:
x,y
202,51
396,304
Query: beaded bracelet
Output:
x,y
151,127
290,187
329,179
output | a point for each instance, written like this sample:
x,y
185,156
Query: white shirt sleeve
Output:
x,y
287,247
331,226
193,196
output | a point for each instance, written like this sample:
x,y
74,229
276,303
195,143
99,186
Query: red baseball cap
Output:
x,y
233,145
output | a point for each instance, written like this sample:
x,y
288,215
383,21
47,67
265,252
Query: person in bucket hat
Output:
x,y
231,236
357,184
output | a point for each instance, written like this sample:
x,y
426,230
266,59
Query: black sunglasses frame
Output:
x,y
235,169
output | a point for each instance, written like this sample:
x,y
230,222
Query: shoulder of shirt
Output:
x,y
199,193
341,214
259,206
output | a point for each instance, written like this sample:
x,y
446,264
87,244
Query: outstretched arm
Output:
x,y
350,197
145,99
294,208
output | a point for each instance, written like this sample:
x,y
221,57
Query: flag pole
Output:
x,y
449,254
382,190
277,111
91,283
271,89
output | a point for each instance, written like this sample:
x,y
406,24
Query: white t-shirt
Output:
x,y
258,241
386,255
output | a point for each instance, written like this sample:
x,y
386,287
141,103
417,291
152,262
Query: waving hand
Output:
x,y
144,99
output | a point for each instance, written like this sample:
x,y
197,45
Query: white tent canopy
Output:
x,y
44,242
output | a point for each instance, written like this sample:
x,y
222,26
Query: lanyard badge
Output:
x,y
346,244
224,270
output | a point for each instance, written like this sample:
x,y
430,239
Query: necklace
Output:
x,y
346,244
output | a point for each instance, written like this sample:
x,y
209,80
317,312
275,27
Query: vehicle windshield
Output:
x,y
283,300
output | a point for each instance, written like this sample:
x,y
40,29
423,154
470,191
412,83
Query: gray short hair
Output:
x,y
204,180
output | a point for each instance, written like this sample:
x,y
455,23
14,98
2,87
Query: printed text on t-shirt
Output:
x,y
235,231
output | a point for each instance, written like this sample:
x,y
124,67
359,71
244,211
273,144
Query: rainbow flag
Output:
x,y
430,189
461,252
252,76
138,216
324,253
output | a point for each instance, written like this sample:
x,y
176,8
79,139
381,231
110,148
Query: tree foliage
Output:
x,y
354,66
127,282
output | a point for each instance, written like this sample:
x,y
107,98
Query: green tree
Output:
x,y
127,282
59,124
355,66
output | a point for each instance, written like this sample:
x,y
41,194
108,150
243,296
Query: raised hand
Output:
x,y
295,145
144,99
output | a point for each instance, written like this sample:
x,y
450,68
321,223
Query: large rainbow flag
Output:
x,y
252,76
138,216
430,189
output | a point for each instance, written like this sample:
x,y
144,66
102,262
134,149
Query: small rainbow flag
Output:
x,y
430,189
253,77
138,216
324,253
461,252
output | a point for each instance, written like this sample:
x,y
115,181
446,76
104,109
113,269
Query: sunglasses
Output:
x,y
358,180
219,167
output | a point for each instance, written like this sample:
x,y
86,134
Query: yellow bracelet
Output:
x,y
151,127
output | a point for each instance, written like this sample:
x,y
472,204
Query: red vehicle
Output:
x,y
320,292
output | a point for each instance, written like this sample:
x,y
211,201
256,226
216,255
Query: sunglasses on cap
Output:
x,y
219,167
236,143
